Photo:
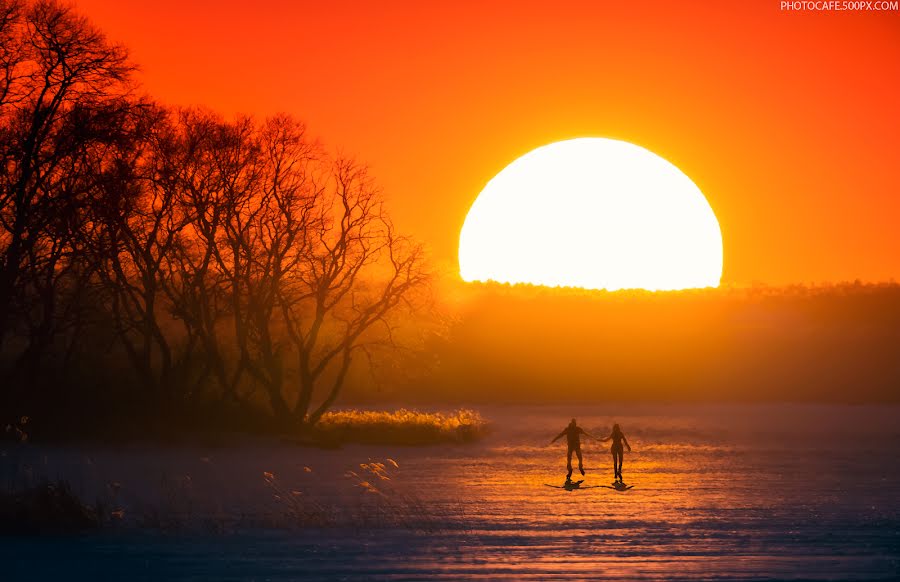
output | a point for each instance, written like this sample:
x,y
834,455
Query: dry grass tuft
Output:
x,y
402,427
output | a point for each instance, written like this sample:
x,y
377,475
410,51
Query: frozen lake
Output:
x,y
730,492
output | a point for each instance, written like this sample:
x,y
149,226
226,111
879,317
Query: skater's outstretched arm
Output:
x,y
604,439
557,437
625,440
586,433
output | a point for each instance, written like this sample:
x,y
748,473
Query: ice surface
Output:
x,y
722,492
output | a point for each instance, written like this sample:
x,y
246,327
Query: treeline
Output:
x,y
162,259
833,343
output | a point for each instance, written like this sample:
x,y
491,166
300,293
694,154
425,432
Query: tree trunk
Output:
x,y
306,390
335,390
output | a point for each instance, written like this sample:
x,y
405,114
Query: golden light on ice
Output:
x,y
595,213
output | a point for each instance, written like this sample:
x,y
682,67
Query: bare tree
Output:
x,y
265,207
301,249
354,274
138,228
59,74
195,289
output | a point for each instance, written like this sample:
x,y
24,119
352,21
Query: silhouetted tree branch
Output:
x,y
61,83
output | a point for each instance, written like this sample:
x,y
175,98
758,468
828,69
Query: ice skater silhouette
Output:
x,y
573,434
617,437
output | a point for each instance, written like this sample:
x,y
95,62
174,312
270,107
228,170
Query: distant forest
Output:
x,y
165,263
833,343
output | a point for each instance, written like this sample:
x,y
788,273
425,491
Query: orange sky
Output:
x,y
788,122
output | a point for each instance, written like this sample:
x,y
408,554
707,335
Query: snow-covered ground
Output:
x,y
721,492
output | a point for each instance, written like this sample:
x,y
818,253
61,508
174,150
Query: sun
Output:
x,y
595,213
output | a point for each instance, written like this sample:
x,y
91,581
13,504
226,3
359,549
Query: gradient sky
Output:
x,y
788,121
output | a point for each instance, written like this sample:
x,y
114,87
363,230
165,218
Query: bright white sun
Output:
x,y
595,213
